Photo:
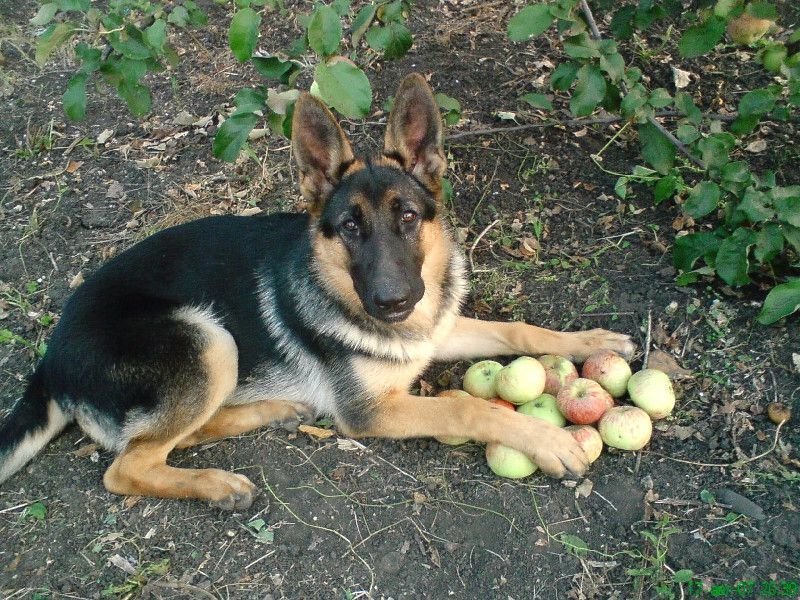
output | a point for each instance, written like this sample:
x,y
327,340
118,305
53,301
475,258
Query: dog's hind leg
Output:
x,y
186,406
233,420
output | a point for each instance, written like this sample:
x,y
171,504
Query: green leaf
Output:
x,y
687,133
736,172
762,10
155,36
450,106
589,91
792,235
530,22
688,248
563,76
325,31
622,22
732,261
659,98
756,102
74,98
715,149
657,150
53,37
243,33
342,7
621,187
249,100
633,101
232,135
538,101
707,497
788,209
136,96
361,23
394,40
130,43
345,87
769,243
581,46
44,15
392,11
613,65
273,67
665,188
35,512
754,206
574,544
783,300
703,199
683,576
685,104
74,5
179,16
702,38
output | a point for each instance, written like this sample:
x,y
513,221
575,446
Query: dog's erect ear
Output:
x,y
320,150
414,133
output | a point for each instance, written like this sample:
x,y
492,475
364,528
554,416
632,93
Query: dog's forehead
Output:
x,y
379,185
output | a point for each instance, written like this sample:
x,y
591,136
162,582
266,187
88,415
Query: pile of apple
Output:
x,y
551,388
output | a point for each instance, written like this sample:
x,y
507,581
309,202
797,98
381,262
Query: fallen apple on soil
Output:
x,y
583,401
651,390
544,407
625,427
479,380
453,441
521,380
608,369
507,462
558,372
746,29
588,439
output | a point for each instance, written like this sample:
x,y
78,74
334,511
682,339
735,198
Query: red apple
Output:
x,y
626,428
583,401
558,372
588,439
608,369
503,403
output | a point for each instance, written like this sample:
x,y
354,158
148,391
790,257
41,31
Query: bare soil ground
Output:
x,y
408,519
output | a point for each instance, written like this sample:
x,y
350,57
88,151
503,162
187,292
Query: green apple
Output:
x,y
507,462
608,369
625,427
544,407
558,372
588,439
521,381
479,380
651,390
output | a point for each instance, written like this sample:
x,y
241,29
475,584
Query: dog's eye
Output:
x,y
350,225
408,216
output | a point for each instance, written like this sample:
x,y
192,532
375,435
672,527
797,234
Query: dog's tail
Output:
x,y
34,421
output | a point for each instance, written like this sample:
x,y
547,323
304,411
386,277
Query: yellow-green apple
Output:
x,y
625,427
521,380
583,401
544,407
479,380
651,390
508,462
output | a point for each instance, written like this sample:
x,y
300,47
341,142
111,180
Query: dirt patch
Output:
x,y
396,519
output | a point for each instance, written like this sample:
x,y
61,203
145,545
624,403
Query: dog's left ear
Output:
x,y
414,133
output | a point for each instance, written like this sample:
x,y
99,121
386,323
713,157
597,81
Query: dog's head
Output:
x,y
375,218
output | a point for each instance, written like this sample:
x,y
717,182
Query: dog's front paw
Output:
x,y
557,453
586,343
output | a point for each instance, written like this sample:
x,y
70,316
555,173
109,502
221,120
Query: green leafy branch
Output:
x,y
757,229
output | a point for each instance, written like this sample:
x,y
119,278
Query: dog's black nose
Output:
x,y
391,302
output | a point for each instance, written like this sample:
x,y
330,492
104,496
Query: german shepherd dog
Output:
x,y
225,324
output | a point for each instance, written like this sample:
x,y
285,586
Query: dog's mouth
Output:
x,y
394,316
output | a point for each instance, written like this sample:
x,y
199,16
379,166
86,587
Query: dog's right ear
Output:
x,y
321,151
